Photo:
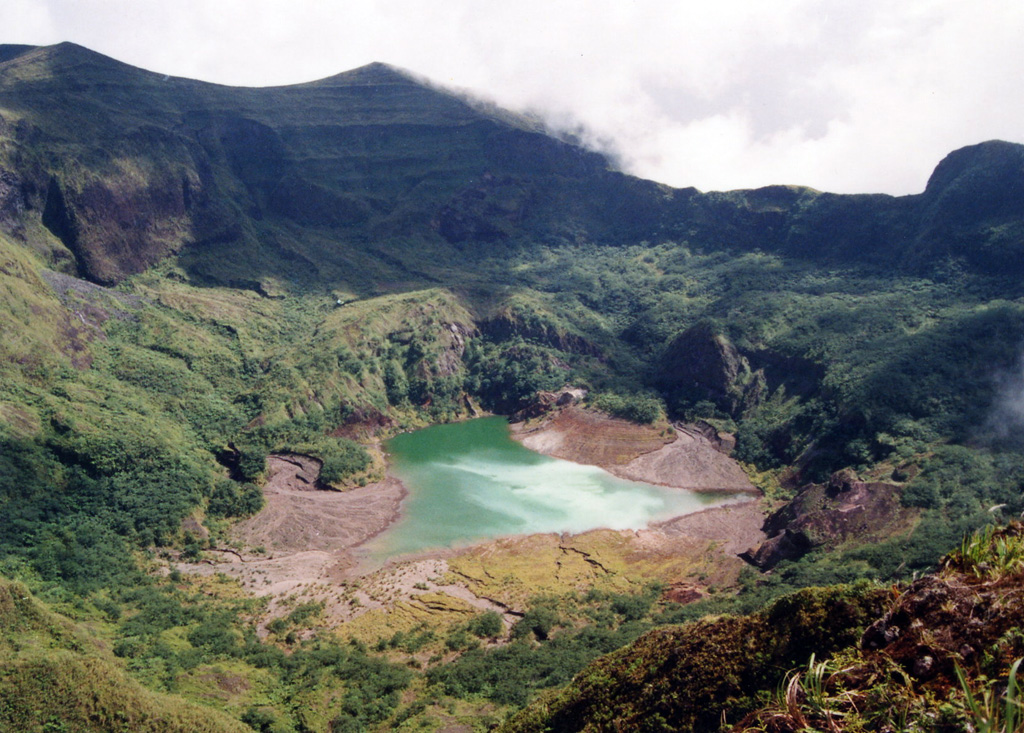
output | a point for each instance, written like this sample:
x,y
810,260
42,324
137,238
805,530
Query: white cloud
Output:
x,y
27,19
841,96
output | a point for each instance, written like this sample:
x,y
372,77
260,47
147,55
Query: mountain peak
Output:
x,y
61,59
376,73
990,159
63,51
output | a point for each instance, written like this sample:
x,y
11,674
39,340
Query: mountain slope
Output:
x,y
54,677
194,276
301,181
837,659
362,154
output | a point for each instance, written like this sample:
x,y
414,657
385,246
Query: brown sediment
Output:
x,y
305,535
584,436
666,457
733,526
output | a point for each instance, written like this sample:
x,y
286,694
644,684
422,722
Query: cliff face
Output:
x,y
702,364
126,165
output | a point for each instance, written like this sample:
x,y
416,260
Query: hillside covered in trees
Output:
x,y
196,277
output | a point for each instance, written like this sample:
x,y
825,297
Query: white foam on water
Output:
x,y
468,495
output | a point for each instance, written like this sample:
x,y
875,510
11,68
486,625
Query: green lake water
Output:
x,y
470,481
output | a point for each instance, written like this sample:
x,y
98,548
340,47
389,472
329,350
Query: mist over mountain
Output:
x,y
374,153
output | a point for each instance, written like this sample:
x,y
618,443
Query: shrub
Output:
x,y
342,460
638,408
486,625
232,499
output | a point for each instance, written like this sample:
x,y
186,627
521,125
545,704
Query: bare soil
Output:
x,y
666,457
305,534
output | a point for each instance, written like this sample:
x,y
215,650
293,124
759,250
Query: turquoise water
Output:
x,y
470,481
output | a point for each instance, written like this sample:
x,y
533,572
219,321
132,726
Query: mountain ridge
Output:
x,y
197,278
359,153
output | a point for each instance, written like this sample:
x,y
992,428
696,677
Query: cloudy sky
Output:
x,y
841,95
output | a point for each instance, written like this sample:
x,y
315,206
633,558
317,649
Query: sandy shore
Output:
x,y
304,534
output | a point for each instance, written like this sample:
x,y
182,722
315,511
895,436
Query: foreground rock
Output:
x,y
881,659
698,676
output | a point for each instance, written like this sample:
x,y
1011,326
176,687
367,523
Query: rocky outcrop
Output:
x,y
293,471
827,515
453,340
702,364
363,423
513,321
12,201
121,223
719,439
545,402
955,616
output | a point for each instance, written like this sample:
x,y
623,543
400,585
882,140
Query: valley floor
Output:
x,y
306,544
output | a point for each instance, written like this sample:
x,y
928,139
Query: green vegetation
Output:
x,y
639,408
685,678
54,676
854,658
991,712
552,641
174,639
325,265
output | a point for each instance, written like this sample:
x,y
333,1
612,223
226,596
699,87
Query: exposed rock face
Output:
x,y
719,439
691,461
530,325
363,423
828,515
701,364
119,224
545,402
453,338
12,200
293,471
